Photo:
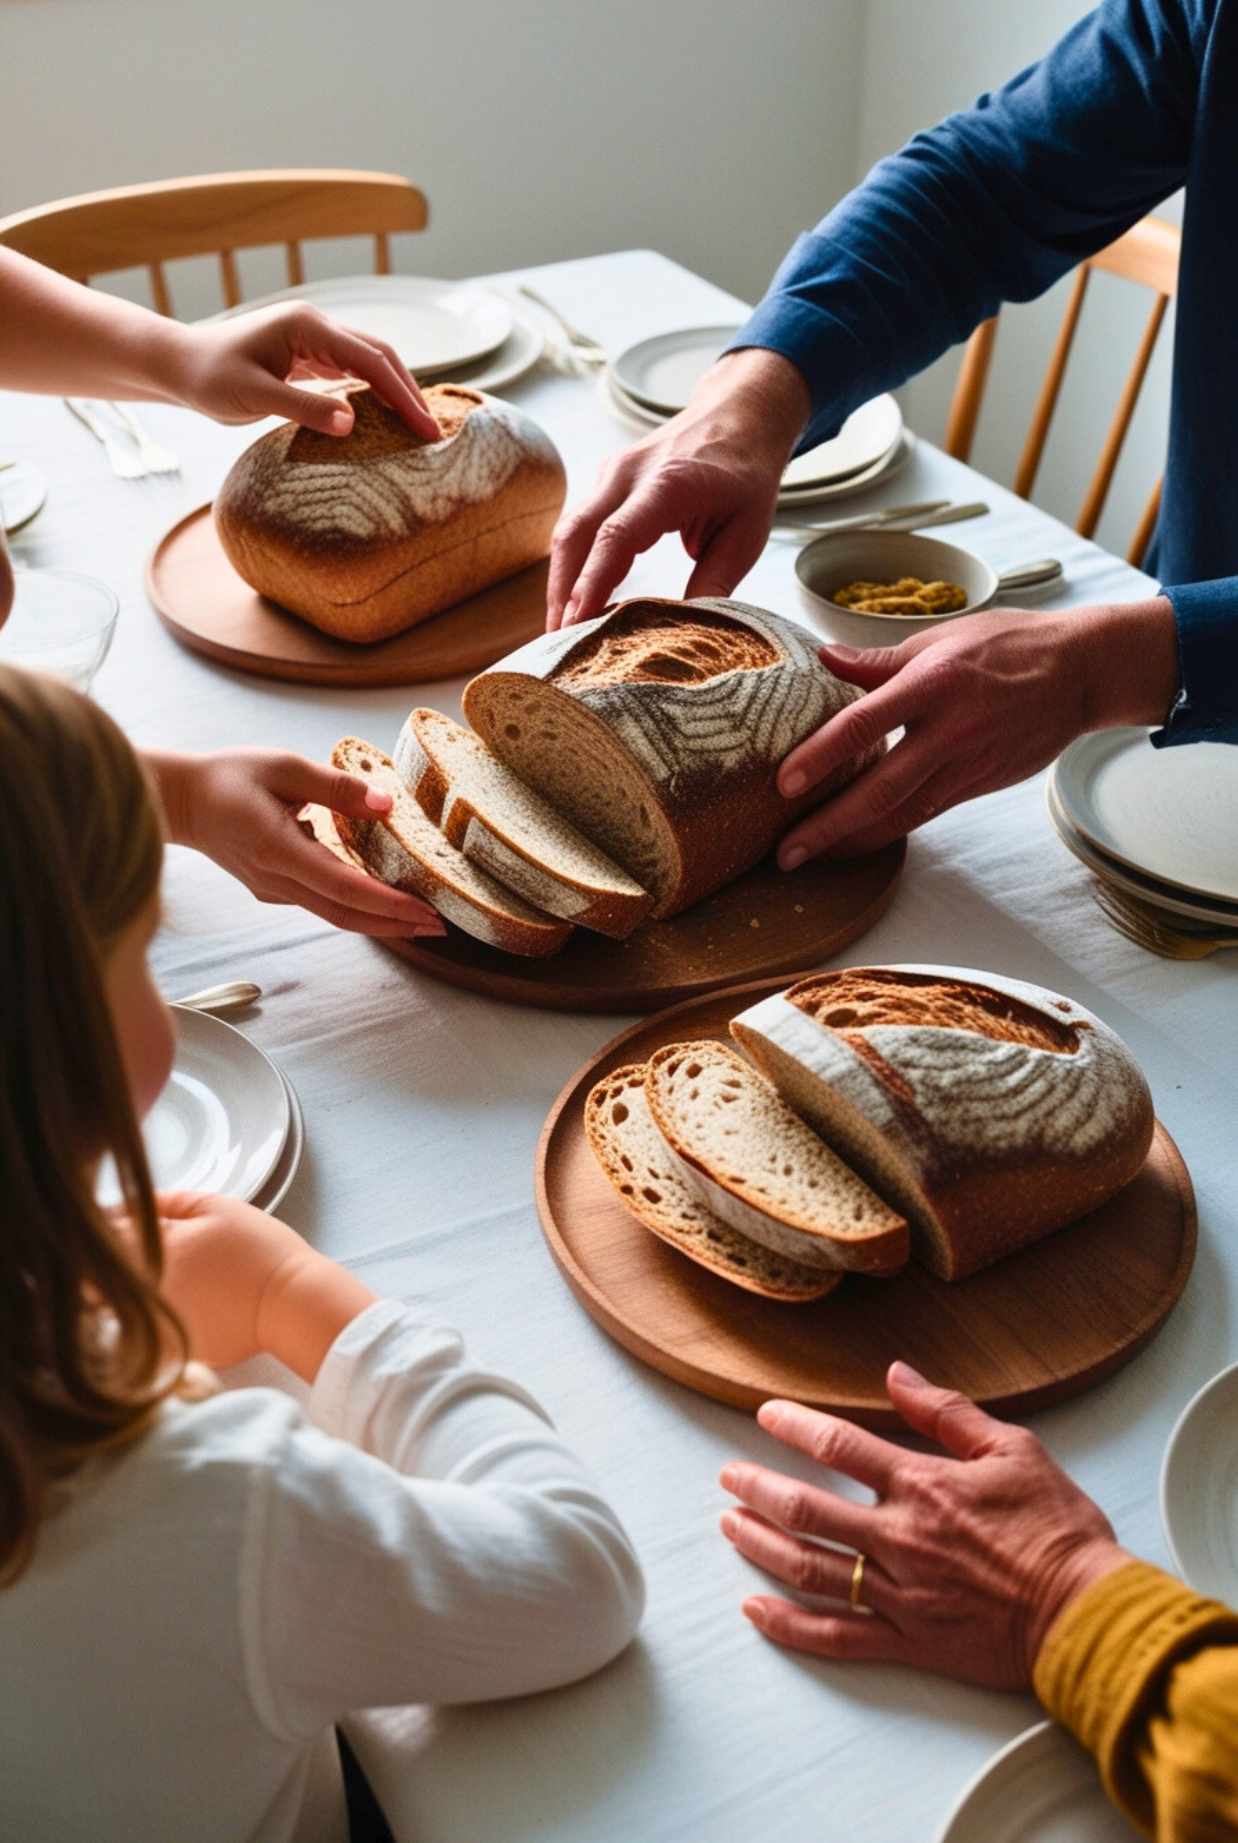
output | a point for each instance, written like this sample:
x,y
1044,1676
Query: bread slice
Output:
x,y
658,730
758,1166
638,1162
407,851
988,1110
510,831
321,824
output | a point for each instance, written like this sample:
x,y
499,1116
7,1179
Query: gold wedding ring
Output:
x,y
857,1582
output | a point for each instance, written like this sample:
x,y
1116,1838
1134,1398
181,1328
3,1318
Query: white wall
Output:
x,y
712,130
922,60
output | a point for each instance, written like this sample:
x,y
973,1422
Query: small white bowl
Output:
x,y
839,557
60,622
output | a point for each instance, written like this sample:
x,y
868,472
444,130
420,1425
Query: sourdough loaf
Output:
x,y
407,851
755,1164
366,534
658,729
510,831
988,1110
638,1162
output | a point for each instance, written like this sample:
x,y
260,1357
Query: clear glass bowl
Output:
x,y
60,622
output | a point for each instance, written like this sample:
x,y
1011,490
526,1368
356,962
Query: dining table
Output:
x,y
423,1104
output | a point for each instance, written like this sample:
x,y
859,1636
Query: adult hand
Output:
x,y
240,806
968,1558
711,474
243,1283
243,369
984,701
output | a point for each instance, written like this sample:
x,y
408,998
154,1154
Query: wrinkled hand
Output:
x,y
969,1558
243,369
711,474
224,1262
240,806
985,702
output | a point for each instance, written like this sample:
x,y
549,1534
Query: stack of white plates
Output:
x,y
653,380
1159,825
228,1122
1199,1490
1041,1788
451,330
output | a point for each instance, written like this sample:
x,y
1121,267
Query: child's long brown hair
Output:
x,y
87,1348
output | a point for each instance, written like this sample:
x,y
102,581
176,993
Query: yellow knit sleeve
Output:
x,y
1145,1673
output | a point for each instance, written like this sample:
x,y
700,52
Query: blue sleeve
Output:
x,y
1206,615
992,205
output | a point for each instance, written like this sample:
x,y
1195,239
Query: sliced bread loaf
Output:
x,y
321,824
638,1162
658,729
990,1111
407,851
760,1168
510,831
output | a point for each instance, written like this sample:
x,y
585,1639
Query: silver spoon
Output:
x,y
231,997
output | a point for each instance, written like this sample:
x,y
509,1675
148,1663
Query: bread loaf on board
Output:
x,y
658,729
365,535
638,1162
407,851
510,831
754,1163
990,1111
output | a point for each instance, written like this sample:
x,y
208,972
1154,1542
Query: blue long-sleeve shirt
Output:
x,y
993,205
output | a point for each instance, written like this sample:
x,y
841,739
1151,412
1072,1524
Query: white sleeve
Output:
x,y
430,1539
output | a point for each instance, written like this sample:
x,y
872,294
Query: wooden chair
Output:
x,y
1147,254
216,214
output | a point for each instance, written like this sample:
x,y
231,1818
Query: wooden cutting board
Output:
x,y
764,923
1041,1326
200,598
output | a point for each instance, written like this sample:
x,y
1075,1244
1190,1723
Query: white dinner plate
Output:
x,y
1147,889
433,325
517,355
867,438
1042,1788
868,477
1170,813
221,1122
23,492
661,373
1199,1489
279,1183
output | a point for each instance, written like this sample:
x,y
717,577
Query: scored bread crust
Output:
x,y
407,851
498,828
847,1227
992,1111
367,534
638,1163
658,729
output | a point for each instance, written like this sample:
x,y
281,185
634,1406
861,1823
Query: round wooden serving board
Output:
x,y
768,921
200,598
1034,1329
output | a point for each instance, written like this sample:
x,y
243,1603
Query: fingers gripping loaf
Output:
x,y
407,851
510,831
658,729
639,1164
754,1163
991,1111
366,534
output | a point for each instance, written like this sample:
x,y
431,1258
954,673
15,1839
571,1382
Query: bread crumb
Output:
x,y
799,908
754,923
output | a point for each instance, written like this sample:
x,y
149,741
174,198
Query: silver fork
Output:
x,y
155,457
582,345
1155,931
125,463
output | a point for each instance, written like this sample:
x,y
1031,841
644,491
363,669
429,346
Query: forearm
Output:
x,y
59,337
1145,1674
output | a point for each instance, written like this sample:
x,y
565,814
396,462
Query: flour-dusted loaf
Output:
x,y
658,729
510,831
989,1110
755,1164
366,534
407,851
639,1163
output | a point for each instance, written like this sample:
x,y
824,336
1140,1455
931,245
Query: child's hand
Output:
x,y
244,1283
239,370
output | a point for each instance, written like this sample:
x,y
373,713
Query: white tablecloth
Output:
x,y
422,1109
